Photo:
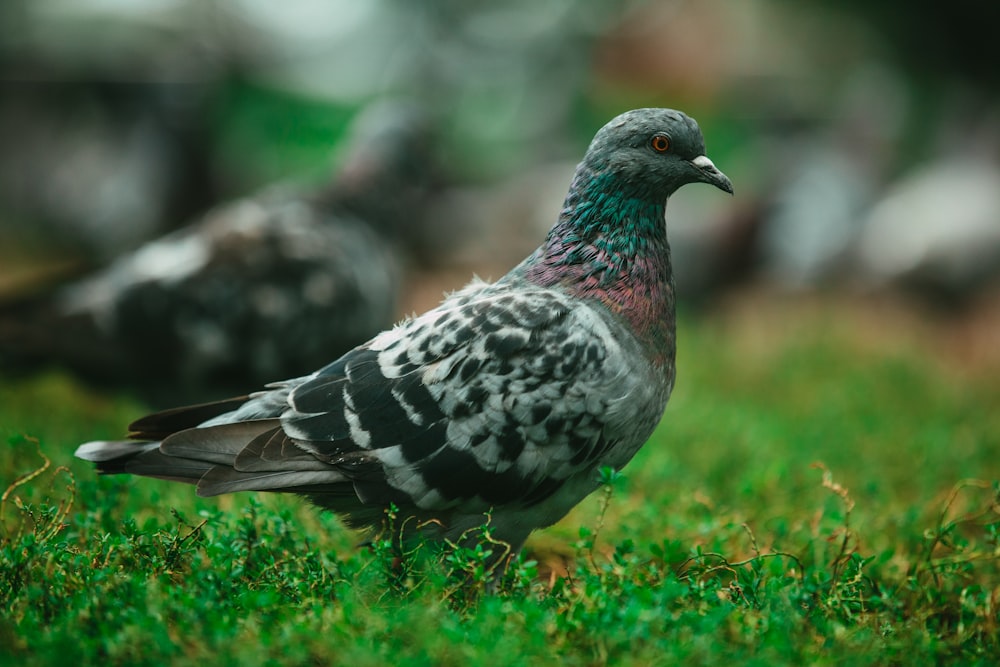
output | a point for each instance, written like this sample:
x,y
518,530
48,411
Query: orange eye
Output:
x,y
660,143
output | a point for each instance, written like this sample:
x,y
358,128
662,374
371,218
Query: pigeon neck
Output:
x,y
612,247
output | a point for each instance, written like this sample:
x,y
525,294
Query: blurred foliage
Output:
x,y
153,111
265,134
949,41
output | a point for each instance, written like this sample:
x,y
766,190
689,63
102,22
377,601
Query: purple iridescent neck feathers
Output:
x,y
610,242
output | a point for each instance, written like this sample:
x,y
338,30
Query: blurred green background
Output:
x,y
863,139
842,308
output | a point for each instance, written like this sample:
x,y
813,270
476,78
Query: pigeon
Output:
x,y
502,405
935,231
816,212
272,285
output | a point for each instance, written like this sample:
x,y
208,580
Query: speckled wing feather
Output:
x,y
494,398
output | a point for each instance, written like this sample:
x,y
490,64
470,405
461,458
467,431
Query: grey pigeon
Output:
x,y
935,232
817,210
508,398
268,286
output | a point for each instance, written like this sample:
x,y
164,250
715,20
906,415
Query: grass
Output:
x,y
823,490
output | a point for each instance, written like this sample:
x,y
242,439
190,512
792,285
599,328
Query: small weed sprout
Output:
x,y
46,521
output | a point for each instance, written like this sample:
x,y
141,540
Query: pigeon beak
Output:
x,y
709,173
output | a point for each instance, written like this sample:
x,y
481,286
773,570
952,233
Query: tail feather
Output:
x,y
141,458
190,445
101,451
220,480
274,450
219,459
171,468
218,444
159,425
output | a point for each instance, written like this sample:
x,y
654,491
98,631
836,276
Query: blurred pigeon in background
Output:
x,y
936,230
827,181
260,288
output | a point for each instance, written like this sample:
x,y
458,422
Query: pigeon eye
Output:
x,y
660,143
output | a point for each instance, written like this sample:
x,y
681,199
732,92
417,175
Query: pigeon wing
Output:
x,y
496,397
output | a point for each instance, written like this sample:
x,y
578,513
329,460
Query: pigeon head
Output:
x,y
393,137
650,153
610,241
616,202
388,167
